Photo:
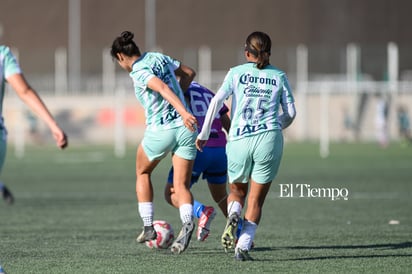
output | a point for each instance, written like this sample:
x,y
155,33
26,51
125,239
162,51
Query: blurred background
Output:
x,y
349,62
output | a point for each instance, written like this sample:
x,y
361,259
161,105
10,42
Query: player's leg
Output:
x,y
235,203
239,168
154,147
219,195
200,164
216,175
183,158
144,193
255,201
215,172
204,161
267,158
4,191
181,180
205,214
169,192
6,194
183,197
208,213
170,195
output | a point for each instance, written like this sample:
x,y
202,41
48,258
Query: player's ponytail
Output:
x,y
124,44
259,44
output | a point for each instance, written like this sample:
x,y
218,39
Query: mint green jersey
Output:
x,y
257,96
160,114
8,67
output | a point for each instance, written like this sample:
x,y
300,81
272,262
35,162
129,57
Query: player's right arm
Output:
x,y
157,85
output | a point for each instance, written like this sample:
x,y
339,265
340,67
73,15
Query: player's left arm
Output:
x,y
30,97
288,105
186,75
288,115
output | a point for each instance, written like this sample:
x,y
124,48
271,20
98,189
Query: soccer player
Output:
x,y
11,73
255,142
404,126
212,162
170,127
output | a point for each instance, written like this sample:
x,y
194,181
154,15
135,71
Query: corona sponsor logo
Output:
x,y
249,79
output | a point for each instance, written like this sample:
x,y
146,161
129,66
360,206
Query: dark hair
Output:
x,y
259,44
124,44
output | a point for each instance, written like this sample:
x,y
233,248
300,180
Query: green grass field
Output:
x,y
75,212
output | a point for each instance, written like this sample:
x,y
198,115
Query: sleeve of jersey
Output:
x,y
10,63
143,76
175,63
288,115
288,105
215,105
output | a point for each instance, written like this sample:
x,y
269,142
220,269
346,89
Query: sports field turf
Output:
x,y
75,212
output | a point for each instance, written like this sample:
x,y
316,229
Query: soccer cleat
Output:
x,y
183,239
242,255
229,234
2,271
203,225
148,233
7,196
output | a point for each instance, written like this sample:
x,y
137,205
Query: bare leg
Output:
x,y
144,193
255,200
170,195
181,181
144,168
219,195
184,200
238,192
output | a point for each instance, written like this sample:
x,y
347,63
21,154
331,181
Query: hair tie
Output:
x,y
253,51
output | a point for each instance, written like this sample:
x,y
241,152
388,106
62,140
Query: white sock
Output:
x,y
247,235
234,206
186,213
146,213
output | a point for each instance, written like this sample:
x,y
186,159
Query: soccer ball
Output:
x,y
165,235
